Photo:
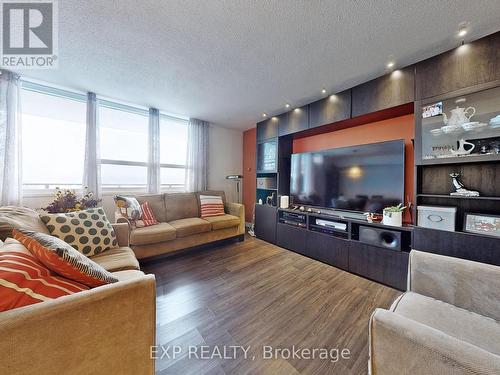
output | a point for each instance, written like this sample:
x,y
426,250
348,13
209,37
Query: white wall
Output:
x,y
225,157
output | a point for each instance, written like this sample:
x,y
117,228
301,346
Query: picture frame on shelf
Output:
x,y
485,224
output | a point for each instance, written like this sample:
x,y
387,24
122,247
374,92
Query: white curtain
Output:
x,y
154,152
197,155
10,140
92,167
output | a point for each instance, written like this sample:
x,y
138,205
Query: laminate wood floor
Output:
x,y
255,294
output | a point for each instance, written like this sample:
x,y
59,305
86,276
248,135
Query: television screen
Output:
x,y
363,178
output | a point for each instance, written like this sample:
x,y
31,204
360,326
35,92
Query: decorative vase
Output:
x,y
394,219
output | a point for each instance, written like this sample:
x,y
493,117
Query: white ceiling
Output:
x,y
227,61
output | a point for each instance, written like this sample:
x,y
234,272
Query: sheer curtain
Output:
x,y
154,152
10,140
92,167
197,155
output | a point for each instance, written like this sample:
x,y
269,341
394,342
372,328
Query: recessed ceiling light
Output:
x,y
462,30
390,64
287,105
264,115
323,91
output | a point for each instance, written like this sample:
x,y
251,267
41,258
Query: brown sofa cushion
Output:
x,y
157,204
117,259
223,221
13,217
153,234
181,206
189,226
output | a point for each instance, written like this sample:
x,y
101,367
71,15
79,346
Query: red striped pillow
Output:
x,y
58,256
211,206
25,281
148,217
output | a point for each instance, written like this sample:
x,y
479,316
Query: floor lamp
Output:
x,y
236,178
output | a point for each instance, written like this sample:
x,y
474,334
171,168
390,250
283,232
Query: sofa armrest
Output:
x,y
106,330
400,346
122,232
237,209
463,283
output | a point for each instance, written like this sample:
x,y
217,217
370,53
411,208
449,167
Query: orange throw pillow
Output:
x,y
61,258
148,217
211,206
25,281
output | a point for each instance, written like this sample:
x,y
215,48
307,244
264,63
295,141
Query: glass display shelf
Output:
x,y
462,129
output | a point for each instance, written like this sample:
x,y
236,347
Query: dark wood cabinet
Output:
x,y
385,266
331,109
460,245
296,121
265,222
291,238
388,91
267,129
465,66
328,249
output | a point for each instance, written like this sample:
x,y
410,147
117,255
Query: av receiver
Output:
x,y
293,218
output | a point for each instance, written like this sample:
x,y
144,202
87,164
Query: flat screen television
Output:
x,y
363,178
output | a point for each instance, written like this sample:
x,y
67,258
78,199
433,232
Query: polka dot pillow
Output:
x,y
87,231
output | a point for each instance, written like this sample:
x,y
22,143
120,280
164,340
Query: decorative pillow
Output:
x,y
211,205
148,218
25,281
129,208
61,258
88,231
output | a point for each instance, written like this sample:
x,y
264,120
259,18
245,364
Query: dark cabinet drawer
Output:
x,y
328,249
334,108
388,91
291,238
295,121
469,65
385,266
265,222
267,129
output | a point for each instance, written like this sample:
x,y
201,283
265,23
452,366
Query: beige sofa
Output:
x,y
448,322
180,224
105,330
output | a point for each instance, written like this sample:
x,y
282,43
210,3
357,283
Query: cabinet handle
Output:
x,y
435,218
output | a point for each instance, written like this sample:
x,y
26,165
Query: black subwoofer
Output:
x,y
389,239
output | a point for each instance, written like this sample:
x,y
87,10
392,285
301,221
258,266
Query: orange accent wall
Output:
x,y
402,127
249,176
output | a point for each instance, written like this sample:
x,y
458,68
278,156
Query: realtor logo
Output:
x,y
29,34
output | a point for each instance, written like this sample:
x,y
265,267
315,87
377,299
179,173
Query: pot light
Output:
x,y
462,31
323,91
287,105
264,115
390,64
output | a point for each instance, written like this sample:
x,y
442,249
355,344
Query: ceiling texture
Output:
x,y
228,61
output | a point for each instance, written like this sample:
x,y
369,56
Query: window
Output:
x,y
173,152
53,136
123,146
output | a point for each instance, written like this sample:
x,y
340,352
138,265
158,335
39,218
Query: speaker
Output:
x,y
388,239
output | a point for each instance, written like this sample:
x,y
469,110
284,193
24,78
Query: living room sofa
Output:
x,y
181,226
448,322
105,330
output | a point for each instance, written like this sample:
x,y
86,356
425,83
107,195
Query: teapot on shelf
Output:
x,y
459,116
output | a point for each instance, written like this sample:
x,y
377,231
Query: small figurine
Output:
x,y
461,191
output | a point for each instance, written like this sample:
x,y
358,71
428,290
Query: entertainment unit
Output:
x,y
462,77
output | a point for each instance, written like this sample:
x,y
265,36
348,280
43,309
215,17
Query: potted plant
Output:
x,y
66,200
393,215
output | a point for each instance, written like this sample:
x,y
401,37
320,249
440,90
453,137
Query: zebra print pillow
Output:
x,y
61,258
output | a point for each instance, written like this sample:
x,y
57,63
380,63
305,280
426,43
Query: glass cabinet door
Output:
x,y
266,156
462,127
